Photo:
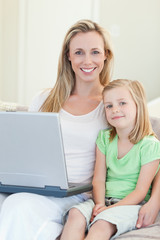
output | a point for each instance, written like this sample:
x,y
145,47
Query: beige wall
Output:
x,y
135,29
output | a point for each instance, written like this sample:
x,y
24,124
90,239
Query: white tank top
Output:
x,y
79,138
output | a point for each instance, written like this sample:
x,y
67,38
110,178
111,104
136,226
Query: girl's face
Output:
x,y
120,108
87,55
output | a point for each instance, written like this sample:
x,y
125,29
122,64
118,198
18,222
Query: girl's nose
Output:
x,y
115,109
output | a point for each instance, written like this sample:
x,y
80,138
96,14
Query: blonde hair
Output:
x,y
142,124
65,76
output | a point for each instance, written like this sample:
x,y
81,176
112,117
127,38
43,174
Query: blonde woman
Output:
x,y
127,158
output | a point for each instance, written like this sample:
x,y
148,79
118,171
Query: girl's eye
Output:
x,y
122,103
109,106
78,52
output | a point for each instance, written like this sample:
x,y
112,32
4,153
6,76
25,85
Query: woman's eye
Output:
x,y
95,52
78,52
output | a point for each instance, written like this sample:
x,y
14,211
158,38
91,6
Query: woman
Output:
x,y
85,67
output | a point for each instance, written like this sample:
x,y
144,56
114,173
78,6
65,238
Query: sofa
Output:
x,y
148,233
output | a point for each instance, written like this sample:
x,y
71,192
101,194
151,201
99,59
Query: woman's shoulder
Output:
x,y
39,99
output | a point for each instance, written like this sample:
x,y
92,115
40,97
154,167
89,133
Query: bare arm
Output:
x,y
99,181
149,211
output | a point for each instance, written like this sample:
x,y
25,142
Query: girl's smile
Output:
x,y
117,117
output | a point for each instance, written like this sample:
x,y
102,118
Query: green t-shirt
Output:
x,y
122,174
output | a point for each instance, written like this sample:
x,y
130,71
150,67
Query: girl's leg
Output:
x,y
101,230
75,226
123,219
33,217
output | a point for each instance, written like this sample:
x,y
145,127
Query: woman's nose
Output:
x,y
87,59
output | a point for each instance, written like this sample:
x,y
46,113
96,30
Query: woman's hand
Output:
x,y
147,214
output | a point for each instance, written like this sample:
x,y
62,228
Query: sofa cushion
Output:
x,y
155,121
12,107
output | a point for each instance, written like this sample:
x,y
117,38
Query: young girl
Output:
x,y
127,158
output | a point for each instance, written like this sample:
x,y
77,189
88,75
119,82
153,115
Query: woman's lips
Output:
x,y
88,70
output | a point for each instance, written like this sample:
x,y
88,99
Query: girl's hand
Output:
x,y
104,208
96,210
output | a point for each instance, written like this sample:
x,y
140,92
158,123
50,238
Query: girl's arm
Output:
x,y
99,182
146,176
149,211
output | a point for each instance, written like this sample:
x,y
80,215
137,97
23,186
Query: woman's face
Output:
x,y
87,55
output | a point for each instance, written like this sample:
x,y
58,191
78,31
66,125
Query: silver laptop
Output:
x,y
32,155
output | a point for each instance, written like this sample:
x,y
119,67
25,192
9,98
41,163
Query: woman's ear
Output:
x,y
68,55
107,54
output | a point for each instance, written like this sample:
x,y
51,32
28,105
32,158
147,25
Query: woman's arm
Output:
x,y
99,182
146,176
149,211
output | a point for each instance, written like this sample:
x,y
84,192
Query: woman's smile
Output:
x,y
88,70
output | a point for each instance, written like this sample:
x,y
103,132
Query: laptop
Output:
x,y
32,155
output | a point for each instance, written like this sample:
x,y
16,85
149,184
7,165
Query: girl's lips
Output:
x,y
88,70
117,117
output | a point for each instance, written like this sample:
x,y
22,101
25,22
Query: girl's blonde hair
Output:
x,y
142,124
65,76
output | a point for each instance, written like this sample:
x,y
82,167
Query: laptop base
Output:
x,y
46,191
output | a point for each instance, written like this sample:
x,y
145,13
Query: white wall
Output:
x,y
154,107
0,47
41,26
46,28
8,49
135,29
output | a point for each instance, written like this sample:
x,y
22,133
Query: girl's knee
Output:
x,y
75,216
104,226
